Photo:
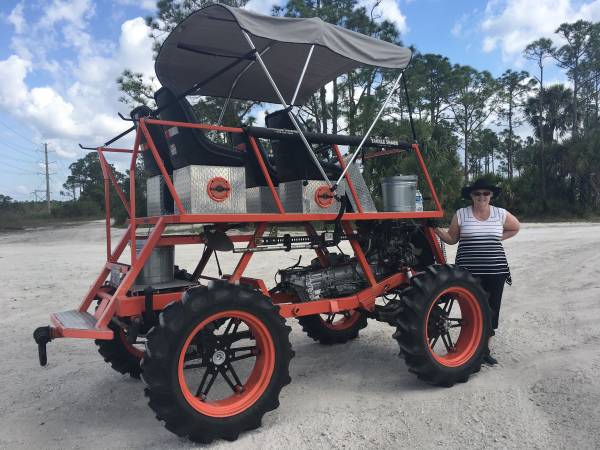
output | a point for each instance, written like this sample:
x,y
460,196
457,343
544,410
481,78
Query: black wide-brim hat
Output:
x,y
480,184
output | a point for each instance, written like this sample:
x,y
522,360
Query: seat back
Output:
x,y
189,146
158,137
254,174
160,194
292,159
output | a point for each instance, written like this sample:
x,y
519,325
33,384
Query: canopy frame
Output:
x,y
366,136
332,186
235,82
286,106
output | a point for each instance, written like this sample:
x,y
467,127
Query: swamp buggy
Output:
x,y
214,352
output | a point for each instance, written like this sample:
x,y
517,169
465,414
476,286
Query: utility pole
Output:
x,y
47,176
35,194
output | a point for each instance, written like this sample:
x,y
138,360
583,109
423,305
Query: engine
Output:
x,y
388,249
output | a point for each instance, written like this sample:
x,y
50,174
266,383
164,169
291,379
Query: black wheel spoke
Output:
x,y
234,375
195,366
432,343
445,343
456,325
240,357
237,324
229,324
241,349
455,319
251,351
203,391
223,372
450,342
448,305
233,337
330,318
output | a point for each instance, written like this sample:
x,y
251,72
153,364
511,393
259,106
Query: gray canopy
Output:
x,y
217,29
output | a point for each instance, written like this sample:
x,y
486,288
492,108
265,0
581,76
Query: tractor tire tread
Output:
x,y
164,343
409,333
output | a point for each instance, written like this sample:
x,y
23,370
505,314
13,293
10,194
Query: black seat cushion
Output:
x,y
189,146
158,137
292,159
254,174
160,142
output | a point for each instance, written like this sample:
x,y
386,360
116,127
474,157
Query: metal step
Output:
x,y
77,324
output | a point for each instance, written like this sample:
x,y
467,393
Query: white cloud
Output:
x,y
135,47
79,101
509,25
147,5
17,19
71,11
13,90
262,6
461,28
388,10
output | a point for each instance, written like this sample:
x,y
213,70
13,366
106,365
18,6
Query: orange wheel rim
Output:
x,y
454,327
243,393
334,322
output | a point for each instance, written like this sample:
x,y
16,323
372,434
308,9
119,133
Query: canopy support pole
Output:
x,y
235,82
366,136
412,124
285,105
310,52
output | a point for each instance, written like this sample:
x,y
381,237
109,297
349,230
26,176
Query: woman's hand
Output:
x,y
511,226
451,236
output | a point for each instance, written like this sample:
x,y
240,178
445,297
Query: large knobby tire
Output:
x,y
333,328
122,356
194,364
443,325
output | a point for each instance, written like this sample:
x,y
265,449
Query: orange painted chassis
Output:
x,y
121,304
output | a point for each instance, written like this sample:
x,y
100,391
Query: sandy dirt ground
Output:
x,y
544,394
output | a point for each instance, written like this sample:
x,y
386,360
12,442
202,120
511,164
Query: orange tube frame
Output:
x,y
122,304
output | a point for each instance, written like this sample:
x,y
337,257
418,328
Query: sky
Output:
x,y
59,60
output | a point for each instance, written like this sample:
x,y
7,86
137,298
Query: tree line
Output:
x,y
539,141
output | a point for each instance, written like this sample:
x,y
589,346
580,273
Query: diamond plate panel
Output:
x,y
191,184
297,198
76,319
260,200
156,189
364,195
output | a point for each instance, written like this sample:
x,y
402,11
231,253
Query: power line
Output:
x,y
11,172
47,177
8,146
12,158
11,144
17,133
20,168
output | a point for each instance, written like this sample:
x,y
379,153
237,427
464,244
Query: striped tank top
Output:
x,y
480,249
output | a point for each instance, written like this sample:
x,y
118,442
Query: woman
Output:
x,y
479,230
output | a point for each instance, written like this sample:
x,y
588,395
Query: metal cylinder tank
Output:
x,y
160,266
399,193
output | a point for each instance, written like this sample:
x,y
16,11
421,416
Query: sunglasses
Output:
x,y
479,194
